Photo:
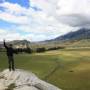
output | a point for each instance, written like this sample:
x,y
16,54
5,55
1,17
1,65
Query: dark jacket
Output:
x,y
10,50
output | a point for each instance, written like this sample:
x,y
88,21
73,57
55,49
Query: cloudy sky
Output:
x,y
37,20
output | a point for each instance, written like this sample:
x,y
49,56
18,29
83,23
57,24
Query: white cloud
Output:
x,y
2,31
55,17
74,12
35,37
12,7
12,35
75,20
13,19
73,7
13,13
9,35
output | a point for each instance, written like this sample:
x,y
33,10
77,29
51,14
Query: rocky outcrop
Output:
x,y
23,80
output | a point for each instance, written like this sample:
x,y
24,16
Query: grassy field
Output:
x,y
67,69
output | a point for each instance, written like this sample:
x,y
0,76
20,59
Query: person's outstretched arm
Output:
x,y
5,44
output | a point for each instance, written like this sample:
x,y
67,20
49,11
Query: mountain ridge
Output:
x,y
81,34
76,35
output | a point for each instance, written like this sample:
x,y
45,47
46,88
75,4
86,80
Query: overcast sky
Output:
x,y
37,20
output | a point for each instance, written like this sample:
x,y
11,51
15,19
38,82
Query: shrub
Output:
x,y
40,49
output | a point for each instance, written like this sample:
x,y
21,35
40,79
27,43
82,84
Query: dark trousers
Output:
x,y
11,63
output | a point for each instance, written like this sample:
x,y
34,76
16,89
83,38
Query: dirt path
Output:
x,y
53,70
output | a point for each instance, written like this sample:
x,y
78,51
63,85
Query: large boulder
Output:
x,y
23,80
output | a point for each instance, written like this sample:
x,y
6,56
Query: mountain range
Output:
x,y
81,34
76,35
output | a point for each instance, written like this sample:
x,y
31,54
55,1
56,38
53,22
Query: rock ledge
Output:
x,y
23,80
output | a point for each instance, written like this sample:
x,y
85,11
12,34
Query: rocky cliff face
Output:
x,y
22,80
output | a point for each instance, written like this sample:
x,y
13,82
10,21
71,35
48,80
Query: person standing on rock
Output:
x,y
10,54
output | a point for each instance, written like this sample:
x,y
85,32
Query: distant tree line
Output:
x,y
55,48
29,50
43,49
39,50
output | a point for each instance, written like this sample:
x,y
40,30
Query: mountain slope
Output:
x,y
17,42
77,35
